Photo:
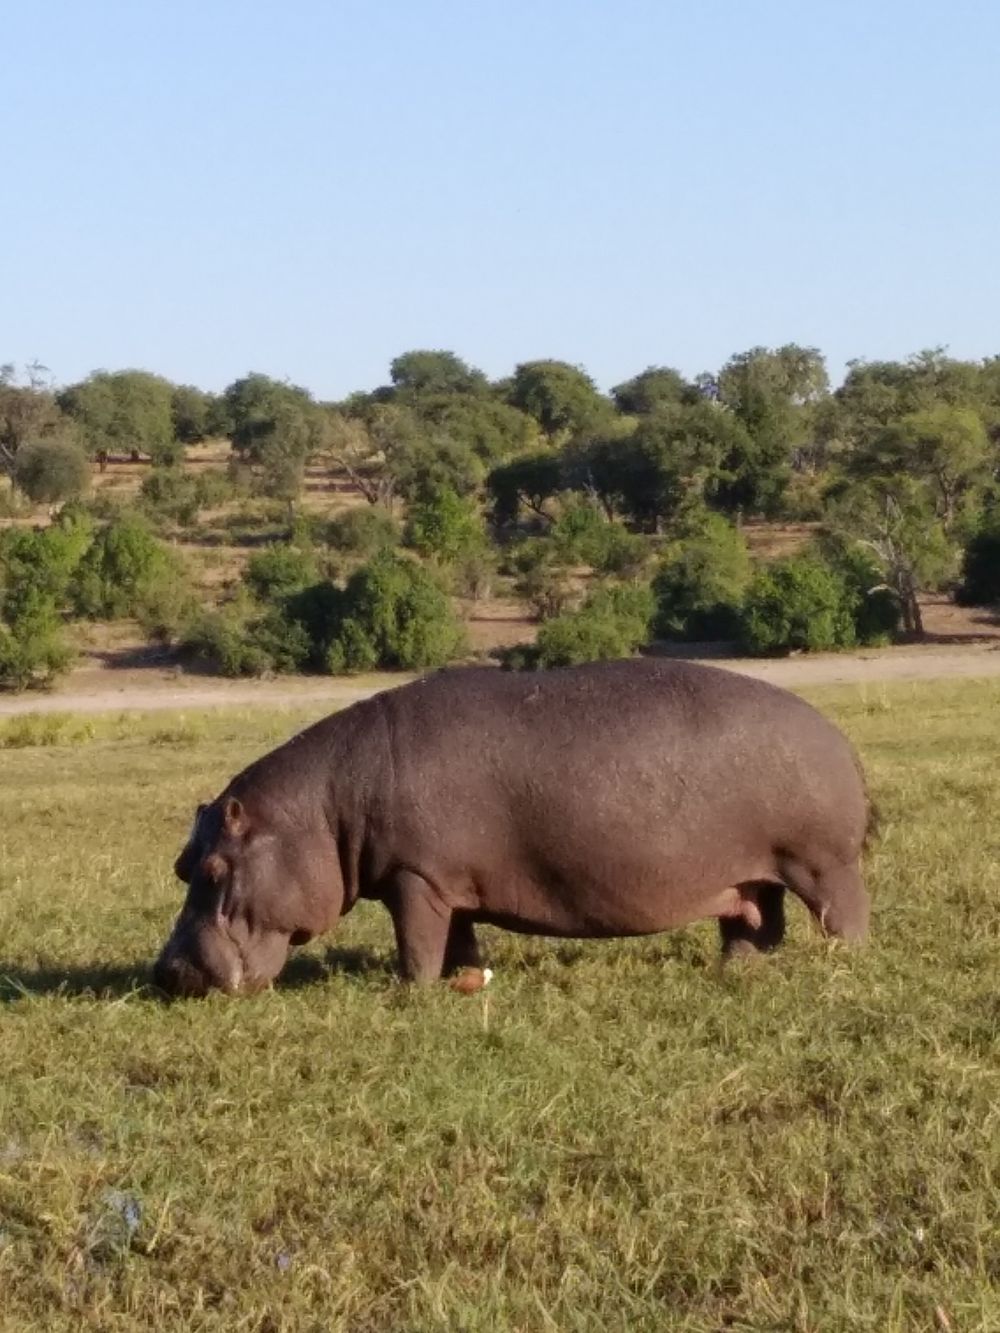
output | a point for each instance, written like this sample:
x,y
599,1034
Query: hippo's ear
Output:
x,y
235,818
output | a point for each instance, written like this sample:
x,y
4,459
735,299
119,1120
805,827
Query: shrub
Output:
x,y
445,526
364,532
473,574
42,561
32,650
50,471
702,581
614,621
237,642
582,535
126,572
798,603
279,570
395,614
169,493
543,580
980,584
877,612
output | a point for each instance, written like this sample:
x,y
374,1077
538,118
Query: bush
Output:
x,y
702,581
42,561
614,621
237,642
32,650
582,535
51,471
473,574
445,527
126,573
543,581
169,493
395,614
877,612
980,585
279,570
798,603
364,532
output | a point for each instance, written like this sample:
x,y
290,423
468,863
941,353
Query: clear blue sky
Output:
x,y
205,187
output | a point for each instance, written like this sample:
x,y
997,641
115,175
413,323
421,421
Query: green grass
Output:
x,y
615,1137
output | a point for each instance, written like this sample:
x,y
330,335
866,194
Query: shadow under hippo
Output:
x,y
612,799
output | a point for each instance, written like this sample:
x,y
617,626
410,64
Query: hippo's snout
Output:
x,y
190,968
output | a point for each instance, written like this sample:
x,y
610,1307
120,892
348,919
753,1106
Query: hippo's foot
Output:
x,y
760,928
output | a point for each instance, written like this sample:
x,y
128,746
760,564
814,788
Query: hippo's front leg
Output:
x,y
422,923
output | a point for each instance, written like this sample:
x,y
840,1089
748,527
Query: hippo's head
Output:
x,y
256,886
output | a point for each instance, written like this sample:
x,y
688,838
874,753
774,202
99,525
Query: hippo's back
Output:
x,y
618,770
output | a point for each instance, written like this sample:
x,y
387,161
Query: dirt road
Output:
x,y
110,691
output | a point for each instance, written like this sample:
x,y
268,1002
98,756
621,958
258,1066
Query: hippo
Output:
x,y
611,799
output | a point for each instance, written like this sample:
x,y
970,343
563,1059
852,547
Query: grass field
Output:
x,y
614,1137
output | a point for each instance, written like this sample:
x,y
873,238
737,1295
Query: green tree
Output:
x,y
563,399
655,388
529,482
276,427
775,395
894,519
124,411
945,446
191,413
435,372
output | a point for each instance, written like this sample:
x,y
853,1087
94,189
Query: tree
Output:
x,y
276,427
562,398
655,388
191,412
775,395
492,429
28,412
51,471
530,480
894,519
126,411
674,457
435,372
945,446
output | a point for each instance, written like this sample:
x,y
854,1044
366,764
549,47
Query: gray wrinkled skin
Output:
x,y
618,798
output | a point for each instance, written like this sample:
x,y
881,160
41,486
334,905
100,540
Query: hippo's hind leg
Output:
x,y
836,897
761,927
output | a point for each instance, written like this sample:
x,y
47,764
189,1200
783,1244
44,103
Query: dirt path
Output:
x,y
112,691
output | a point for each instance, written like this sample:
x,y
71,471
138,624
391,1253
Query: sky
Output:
x,y
208,187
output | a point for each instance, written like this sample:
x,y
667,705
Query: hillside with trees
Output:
x,y
259,530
